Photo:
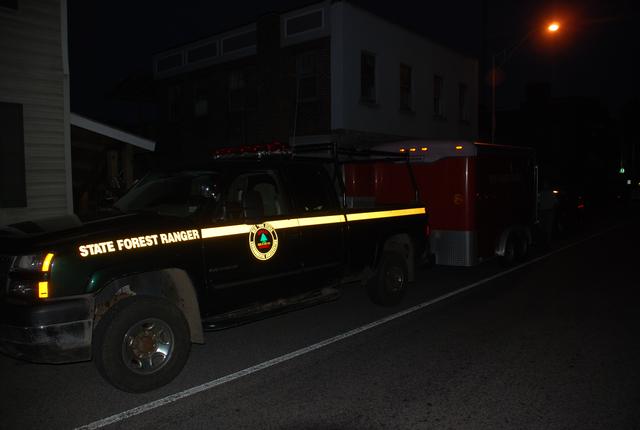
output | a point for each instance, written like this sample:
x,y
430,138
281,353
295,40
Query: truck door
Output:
x,y
316,205
250,257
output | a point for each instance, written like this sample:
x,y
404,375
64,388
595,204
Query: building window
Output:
x,y
463,103
200,100
307,76
13,189
438,96
237,85
367,77
174,93
303,23
9,4
202,52
169,62
239,42
405,87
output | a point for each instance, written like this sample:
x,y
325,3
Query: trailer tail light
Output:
x,y
403,150
458,147
424,149
412,149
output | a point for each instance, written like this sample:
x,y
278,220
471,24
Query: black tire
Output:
x,y
389,284
141,344
510,251
522,247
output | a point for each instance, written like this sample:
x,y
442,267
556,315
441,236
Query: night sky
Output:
x,y
593,56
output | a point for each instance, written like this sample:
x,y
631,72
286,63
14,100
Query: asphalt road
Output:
x,y
553,344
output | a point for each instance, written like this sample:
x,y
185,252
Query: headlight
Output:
x,y
29,276
34,262
26,288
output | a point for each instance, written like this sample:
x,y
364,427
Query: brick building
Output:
x,y
326,72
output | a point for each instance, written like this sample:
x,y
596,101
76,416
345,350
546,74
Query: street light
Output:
x,y
506,53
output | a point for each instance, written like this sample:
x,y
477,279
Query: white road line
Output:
x,y
286,357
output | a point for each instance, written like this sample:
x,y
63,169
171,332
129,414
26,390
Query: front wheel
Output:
x,y
389,284
142,343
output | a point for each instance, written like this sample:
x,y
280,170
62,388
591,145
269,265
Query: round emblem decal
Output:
x,y
263,241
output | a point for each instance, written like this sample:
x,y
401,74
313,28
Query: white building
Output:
x,y
329,71
35,146
391,81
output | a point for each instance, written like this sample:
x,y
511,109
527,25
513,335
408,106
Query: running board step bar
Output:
x,y
263,310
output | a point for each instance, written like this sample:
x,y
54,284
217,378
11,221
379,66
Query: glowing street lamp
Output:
x,y
506,53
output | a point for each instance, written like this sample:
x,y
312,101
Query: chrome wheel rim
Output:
x,y
147,346
394,279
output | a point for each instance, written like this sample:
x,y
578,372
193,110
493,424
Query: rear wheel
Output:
x,y
389,284
142,343
522,249
509,257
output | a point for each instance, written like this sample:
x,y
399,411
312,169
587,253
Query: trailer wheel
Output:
x,y
522,247
389,284
510,251
142,343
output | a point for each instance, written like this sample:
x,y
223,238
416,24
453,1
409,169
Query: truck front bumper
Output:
x,y
56,331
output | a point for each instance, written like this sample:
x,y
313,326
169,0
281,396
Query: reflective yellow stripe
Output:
x,y
284,223
318,220
43,289
385,214
47,262
230,230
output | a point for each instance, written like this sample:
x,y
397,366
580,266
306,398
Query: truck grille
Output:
x,y
5,263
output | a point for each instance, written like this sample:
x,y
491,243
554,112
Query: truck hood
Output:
x,y
34,236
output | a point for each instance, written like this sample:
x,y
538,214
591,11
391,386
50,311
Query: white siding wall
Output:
x,y
32,73
354,30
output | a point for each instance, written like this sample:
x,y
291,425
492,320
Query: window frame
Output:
x,y
302,33
406,86
5,7
312,74
463,102
225,51
13,189
438,97
298,176
373,100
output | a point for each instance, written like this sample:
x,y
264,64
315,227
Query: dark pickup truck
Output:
x,y
192,249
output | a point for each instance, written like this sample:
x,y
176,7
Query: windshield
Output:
x,y
177,194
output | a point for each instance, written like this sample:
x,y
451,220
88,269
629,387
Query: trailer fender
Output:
x,y
516,231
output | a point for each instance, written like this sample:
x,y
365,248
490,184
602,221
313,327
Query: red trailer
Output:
x,y
481,198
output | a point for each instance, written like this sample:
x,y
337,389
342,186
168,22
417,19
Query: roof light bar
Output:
x,y
274,147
